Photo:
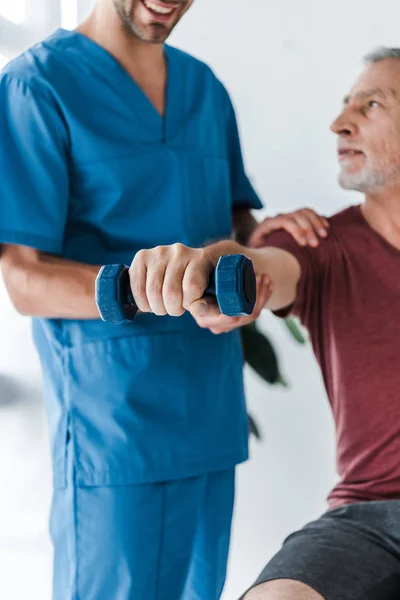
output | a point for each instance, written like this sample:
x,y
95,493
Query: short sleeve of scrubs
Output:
x,y
33,167
243,193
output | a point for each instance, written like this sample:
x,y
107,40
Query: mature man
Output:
x,y
110,142
346,291
347,294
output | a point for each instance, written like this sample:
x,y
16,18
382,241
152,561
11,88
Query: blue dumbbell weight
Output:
x,y
233,284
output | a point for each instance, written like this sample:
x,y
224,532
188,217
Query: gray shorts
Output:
x,y
350,553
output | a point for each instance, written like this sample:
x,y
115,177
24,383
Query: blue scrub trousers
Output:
x,y
162,541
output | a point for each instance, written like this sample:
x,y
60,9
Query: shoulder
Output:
x,y
188,60
34,68
346,226
203,81
198,67
343,226
346,221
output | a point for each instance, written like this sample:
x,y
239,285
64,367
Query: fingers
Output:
x,y
147,275
296,227
287,222
304,225
206,309
168,279
219,324
320,224
267,226
138,279
264,290
234,323
196,278
312,226
172,292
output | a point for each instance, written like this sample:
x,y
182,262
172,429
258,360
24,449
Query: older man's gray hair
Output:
x,y
381,54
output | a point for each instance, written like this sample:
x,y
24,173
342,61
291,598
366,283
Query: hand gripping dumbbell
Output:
x,y
233,284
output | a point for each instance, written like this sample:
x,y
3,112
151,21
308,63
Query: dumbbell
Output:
x,y
233,284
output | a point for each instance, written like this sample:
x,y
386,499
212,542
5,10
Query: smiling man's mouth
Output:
x,y
159,10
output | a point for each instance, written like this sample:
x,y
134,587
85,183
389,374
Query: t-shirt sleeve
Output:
x,y
34,188
243,193
313,272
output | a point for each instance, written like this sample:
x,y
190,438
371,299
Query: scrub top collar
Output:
x,y
111,71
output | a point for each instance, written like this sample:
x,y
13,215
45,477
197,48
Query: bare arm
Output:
x,y
40,285
281,267
46,286
284,271
172,279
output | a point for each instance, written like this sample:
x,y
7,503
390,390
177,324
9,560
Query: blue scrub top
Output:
x,y
91,172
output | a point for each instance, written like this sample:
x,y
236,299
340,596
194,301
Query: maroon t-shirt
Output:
x,y
349,300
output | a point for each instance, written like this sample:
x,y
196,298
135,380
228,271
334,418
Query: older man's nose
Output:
x,y
344,126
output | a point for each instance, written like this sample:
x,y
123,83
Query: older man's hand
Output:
x,y
222,324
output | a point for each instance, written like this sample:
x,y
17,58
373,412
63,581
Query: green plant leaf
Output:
x,y
281,381
295,330
259,353
254,429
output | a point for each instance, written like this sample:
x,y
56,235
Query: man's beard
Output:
x,y
370,180
366,180
159,33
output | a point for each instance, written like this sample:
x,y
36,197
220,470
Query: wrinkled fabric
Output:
x,y
91,172
160,541
347,298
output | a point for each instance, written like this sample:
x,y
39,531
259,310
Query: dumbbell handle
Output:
x,y
232,284
211,289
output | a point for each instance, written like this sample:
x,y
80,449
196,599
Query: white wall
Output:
x,y
287,65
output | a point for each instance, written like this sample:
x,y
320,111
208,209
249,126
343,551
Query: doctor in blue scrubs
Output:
x,y
111,142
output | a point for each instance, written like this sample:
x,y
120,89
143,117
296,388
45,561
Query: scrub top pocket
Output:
x,y
128,403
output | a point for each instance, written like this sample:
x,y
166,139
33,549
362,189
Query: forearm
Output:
x,y
243,224
282,268
45,286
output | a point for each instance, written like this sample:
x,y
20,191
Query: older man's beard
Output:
x,y
370,180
